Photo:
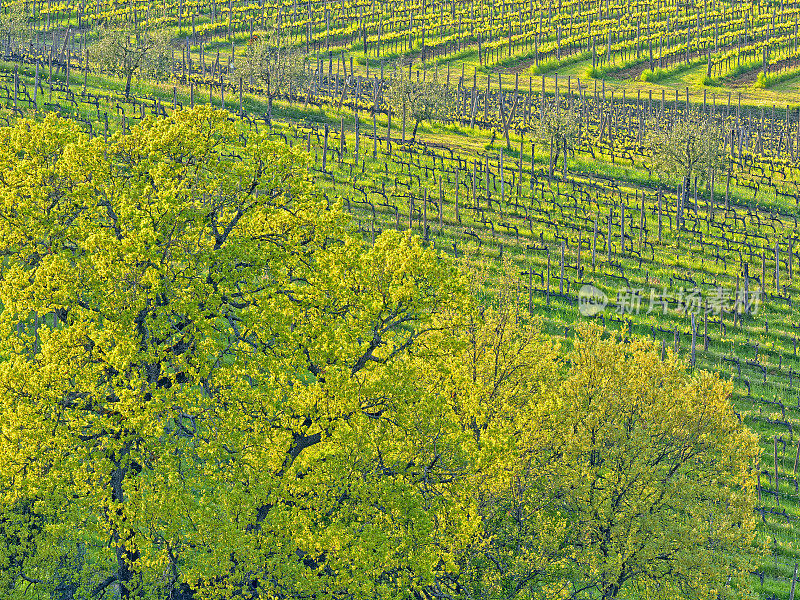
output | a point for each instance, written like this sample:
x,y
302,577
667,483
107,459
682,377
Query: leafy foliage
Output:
x,y
15,24
240,398
425,99
691,146
630,477
202,355
656,476
126,51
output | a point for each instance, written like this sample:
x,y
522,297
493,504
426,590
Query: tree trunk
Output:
x,y
685,195
414,132
125,556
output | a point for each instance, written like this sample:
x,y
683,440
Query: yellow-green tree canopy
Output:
x,y
201,374
211,388
635,479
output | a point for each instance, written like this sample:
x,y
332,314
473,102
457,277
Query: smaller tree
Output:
x,y
689,148
655,476
14,26
500,380
603,472
424,100
273,64
559,128
125,51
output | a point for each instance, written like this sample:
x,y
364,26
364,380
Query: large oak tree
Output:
x,y
201,384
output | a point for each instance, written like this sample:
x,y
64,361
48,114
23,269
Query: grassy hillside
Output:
x,y
607,221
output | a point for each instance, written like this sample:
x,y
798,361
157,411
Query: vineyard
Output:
x,y
708,268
